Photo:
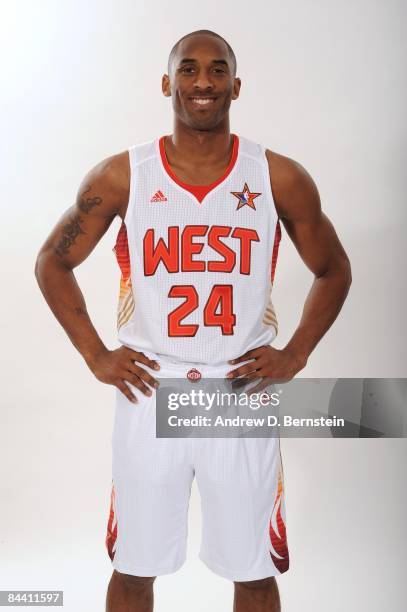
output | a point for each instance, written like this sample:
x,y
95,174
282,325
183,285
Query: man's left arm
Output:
x,y
299,208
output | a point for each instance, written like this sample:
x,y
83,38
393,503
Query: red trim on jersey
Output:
x,y
277,238
121,250
199,191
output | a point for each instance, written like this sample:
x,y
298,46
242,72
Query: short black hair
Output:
x,y
208,33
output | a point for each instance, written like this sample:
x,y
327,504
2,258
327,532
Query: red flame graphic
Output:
x,y
278,539
111,534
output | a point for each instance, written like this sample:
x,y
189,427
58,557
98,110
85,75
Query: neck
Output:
x,y
196,145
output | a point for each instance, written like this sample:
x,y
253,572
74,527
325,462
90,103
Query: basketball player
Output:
x,y
197,248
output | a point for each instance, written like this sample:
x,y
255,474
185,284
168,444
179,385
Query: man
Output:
x,y
197,250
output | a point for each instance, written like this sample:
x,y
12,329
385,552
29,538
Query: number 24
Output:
x,y
221,297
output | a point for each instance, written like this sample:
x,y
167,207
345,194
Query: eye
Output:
x,y
187,69
219,70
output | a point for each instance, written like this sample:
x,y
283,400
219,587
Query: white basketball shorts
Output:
x,y
240,481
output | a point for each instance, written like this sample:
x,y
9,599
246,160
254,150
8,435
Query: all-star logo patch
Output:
x,y
194,375
245,197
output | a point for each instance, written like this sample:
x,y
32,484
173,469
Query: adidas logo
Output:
x,y
158,197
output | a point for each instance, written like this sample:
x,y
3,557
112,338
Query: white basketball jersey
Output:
x,y
197,270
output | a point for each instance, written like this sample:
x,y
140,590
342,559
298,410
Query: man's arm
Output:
x,y
102,195
299,208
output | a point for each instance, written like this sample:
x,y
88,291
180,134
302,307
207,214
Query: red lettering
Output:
x,y
189,248
219,309
168,255
229,256
245,236
175,327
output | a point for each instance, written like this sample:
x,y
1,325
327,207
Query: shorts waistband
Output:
x,y
184,367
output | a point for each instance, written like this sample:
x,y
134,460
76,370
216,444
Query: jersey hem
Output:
x,y
238,576
137,570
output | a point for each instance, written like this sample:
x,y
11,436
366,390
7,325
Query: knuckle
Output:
x,y
138,383
134,380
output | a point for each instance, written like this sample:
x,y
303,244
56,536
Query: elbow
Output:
x,y
43,264
350,277
348,273
47,265
40,263
339,269
345,272
40,271
37,266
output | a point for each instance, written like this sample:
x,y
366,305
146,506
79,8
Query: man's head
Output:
x,y
201,79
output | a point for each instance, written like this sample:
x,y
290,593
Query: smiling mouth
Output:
x,y
202,101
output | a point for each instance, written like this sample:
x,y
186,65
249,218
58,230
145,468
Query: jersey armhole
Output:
x,y
132,167
130,203
268,180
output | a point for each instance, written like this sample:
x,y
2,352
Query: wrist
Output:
x,y
91,356
299,354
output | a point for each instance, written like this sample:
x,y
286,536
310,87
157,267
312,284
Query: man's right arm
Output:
x,y
102,195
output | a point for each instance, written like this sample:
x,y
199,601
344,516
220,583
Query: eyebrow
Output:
x,y
187,60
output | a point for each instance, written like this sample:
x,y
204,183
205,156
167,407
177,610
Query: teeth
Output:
x,y
203,100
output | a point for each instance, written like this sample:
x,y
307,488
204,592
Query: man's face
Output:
x,y
201,82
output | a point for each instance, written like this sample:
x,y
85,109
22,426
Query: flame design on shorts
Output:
x,y
126,299
279,551
111,535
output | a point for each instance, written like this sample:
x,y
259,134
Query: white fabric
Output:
x,y
147,327
152,477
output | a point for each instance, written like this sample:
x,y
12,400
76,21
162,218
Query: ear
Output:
x,y
166,86
236,88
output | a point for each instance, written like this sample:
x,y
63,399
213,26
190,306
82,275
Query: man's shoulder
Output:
x,y
290,181
113,171
110,180
286,168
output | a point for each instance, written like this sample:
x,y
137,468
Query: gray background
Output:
x,y
323,82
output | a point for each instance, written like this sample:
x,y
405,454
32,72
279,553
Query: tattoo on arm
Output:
x,y
69,235
87,204
72,230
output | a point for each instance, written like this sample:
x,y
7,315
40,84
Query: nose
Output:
x,y
202,81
